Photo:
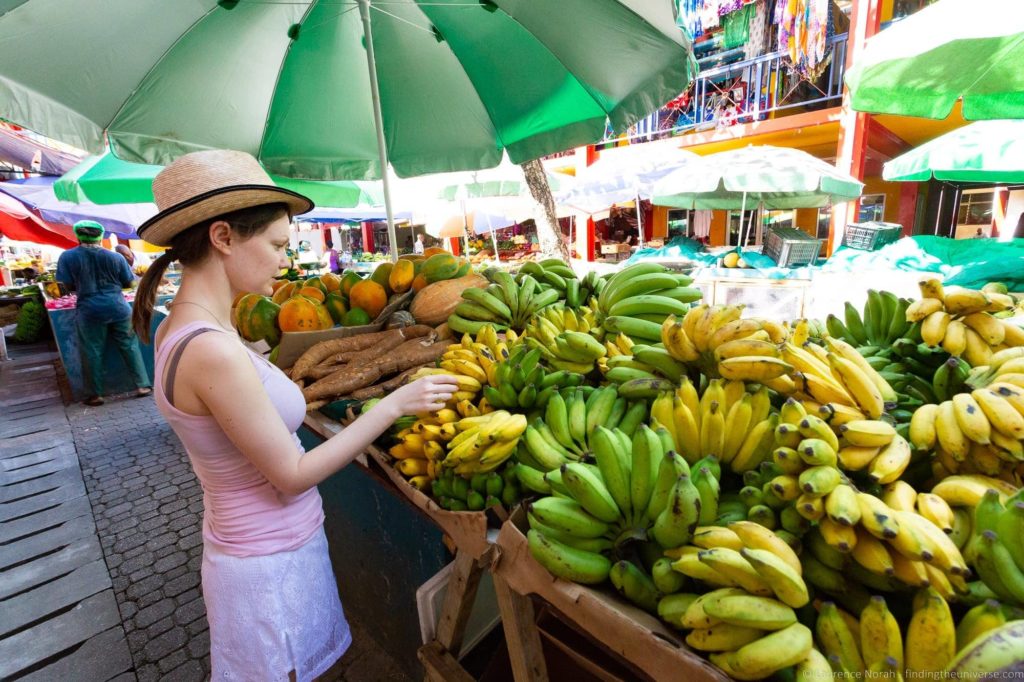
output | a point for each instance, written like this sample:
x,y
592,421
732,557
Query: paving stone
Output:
x,y
197,626
164,644
148,673
171,561
199,645
180,584
189,612
190,671
169,663
151,614
188,596
143,587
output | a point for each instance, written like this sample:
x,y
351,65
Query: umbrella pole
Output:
x,y
494,240
743,209
639,223
378,120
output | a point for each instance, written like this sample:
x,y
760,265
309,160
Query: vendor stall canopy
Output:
x,y
986,151
289,81
969,50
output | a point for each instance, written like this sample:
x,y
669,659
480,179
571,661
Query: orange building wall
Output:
x,y
719,221
659,222
891,190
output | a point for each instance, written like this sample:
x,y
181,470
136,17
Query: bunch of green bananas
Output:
x,y
981,431
566,430
725,422
637,490
484,442
994,547
522,383
555,274
503,304
638,298
883,321
479,492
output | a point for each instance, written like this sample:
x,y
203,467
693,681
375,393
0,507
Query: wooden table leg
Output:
x,y
458,602
521,634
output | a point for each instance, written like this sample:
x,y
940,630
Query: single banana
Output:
x,y
931,635
839,642
568,563
867,433
747,610
773,652
722,637
786,584
994,655
978,622
880,635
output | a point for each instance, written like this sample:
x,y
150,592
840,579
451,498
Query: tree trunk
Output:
x,y
549,234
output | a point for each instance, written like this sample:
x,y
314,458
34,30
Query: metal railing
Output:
x,y
755,87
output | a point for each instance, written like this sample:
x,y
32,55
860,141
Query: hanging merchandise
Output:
x,y
805,29
736,27
759,30
702,224
709,15
689,15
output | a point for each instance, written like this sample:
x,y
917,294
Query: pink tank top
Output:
x,y
244,514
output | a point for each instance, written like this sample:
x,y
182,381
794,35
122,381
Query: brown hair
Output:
x,y
190,247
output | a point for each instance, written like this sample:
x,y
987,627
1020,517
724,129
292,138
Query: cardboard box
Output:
x,y
614,248
294,344
634,635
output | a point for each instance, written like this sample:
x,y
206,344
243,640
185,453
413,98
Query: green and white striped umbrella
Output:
x,y
955,49
986,151
290,81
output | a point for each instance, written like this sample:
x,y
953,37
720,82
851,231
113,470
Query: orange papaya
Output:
x,y
284,292
300,314
256,319
370,296
311,292
401,276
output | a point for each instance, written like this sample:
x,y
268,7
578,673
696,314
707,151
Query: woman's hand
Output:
x,y
428,394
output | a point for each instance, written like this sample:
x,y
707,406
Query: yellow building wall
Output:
x,y
719,222
659,222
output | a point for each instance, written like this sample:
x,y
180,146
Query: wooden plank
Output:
x,y
40,543
28,459
79,584
440,665
33,486
458,601
90,617
37,522
36,503
34,471
58,448
99,658
521,635
75,555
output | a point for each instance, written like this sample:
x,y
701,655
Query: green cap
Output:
x,y
88,231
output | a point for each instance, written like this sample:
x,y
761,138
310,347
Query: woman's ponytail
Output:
x,y
145,296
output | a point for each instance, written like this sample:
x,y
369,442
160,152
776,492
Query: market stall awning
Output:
x,y
32,155
986,151
954,49
121,219
20,224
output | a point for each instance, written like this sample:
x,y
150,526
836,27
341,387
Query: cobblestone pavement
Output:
x,y
148,510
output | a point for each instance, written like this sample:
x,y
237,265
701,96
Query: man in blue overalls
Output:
x,y
98,276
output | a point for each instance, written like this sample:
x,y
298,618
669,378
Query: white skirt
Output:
x,y
273,614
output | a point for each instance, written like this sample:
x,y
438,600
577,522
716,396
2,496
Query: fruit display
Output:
x,y
798,498
554,274
434,303
31,322
636,300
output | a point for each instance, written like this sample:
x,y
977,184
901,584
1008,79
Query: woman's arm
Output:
x,y
223,378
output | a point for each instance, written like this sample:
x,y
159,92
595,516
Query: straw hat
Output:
x,y
206,184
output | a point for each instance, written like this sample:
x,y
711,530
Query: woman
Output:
x,y
271,596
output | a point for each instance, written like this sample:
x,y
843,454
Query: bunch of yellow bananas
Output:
x,y
618,346
977,432
834,374
482,443
960,320
726,422
421,446
723,343
565,337
747,621
1006,366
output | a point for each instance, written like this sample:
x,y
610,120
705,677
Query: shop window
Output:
x,y
779,218
679,223
824,220
975,209
872,207
750,228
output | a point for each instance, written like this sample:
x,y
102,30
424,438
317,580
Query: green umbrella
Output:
x,y
986,151
318,90
763,176
775,177
969,49
108,180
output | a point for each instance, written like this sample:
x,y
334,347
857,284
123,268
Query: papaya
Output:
x,y
401,276
278,283
331,281
349,279
418,282
440,267
313,293
301,314
433,251
382,274
284,292
256,319
336,307
356,317
315,282
370,296
464,268
324,317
